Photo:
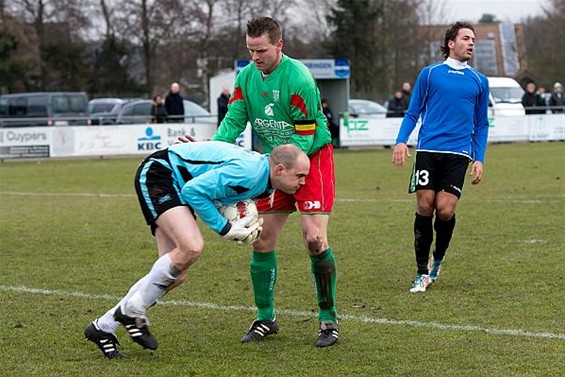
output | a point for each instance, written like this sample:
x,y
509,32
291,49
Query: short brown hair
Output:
x,y
451,34
256,27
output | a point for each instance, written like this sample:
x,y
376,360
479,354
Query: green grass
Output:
x,y
505,270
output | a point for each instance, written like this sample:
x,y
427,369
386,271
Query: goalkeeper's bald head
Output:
x,y
289,167
287,155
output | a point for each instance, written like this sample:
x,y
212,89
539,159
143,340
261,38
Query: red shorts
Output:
x,y
316,196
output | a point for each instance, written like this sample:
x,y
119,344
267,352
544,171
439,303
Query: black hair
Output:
x,y
451,34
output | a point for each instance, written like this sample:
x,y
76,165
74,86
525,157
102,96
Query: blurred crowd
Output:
x,y
537,101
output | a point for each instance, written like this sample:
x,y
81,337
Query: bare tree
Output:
x,y
205,17
36,12
236,14
432,12
148,24
544,43
312,21
58,26
106,14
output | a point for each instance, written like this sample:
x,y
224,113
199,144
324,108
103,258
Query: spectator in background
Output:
x,y
406,93
557,99
223,101
529,99
541,100
396,106
333,126
158,111
174,105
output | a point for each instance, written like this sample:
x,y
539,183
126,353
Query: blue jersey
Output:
x,y
452,99
212,173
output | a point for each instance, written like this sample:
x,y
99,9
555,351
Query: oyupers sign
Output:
x,y
69,141
320,68
25,142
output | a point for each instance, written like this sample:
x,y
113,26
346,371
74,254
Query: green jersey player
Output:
x,y
279,97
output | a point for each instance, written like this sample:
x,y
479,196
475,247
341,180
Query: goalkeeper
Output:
x,y
172,186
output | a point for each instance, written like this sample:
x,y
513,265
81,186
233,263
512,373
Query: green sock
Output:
x,y
324,271
264,272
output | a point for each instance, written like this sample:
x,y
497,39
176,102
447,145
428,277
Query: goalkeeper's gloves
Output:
x,y
245,230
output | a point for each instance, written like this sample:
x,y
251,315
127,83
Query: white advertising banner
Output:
x,y
25,142
371,131
143,139
374,131
139,139
547,127
509,129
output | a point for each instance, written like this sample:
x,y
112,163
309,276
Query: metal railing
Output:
x,y
536,110
44,121
141,119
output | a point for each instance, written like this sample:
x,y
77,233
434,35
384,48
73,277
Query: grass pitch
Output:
x,y
73,240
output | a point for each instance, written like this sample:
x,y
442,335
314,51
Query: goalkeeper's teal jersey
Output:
x,y
207,174
283,107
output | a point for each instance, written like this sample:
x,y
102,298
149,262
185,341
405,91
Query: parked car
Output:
x,y
44,109
505,97
104,111
365,108
138,112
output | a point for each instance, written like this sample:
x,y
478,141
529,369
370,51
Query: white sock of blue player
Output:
x,y
162,275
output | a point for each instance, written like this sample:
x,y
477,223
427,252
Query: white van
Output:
x,y
505,97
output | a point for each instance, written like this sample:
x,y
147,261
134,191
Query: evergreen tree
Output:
x,y
354,37
14,67
109,76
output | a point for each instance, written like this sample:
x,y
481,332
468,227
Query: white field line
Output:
x,y
67,194
295,313
551,199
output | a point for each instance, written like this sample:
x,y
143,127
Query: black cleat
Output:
x,y
105,341
137,329
328,335
259,330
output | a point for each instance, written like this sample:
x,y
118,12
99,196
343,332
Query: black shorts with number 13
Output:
x,y
439,172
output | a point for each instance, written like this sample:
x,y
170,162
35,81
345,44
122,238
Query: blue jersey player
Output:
x,y
172,186
451,98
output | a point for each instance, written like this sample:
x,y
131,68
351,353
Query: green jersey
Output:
x,y
282,107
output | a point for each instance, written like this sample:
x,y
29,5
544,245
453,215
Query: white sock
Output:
x,y
107,323
162,275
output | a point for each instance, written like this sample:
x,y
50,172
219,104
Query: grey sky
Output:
x,y
504,10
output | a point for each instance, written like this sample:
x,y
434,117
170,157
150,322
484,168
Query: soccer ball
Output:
x,y
239,210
